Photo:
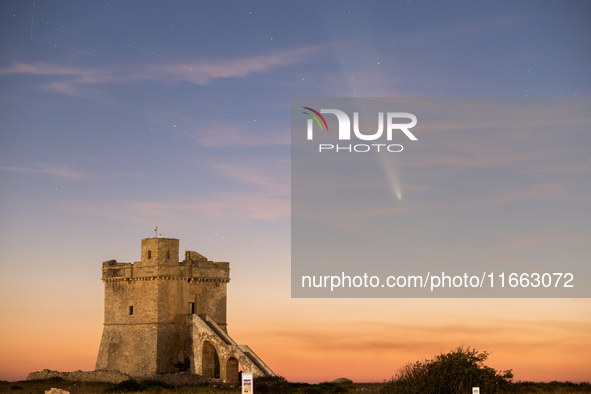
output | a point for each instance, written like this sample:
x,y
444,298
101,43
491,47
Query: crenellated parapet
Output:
x,y
198,269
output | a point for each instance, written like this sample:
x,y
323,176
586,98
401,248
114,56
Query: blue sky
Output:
x,y
116,117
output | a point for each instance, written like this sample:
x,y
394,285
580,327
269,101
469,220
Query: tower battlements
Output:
x,y
160,259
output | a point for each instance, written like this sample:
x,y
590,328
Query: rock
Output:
x,y
175,379
56,391
80,376
342,381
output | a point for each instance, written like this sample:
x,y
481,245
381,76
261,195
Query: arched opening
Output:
x,y
210,361
149,254
232,372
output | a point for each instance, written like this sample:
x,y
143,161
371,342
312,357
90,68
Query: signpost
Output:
x,y
475,390
247,383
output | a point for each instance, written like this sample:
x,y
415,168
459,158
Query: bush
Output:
x,y
455,372
325,388
148,384
332,388
270,385
127,386
132,385
551,387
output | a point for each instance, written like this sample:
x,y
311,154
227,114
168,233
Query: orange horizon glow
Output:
x,y
315,346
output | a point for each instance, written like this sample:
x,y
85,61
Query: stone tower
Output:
x,y
163,315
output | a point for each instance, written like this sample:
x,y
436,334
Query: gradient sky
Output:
x,y
491,185
116,117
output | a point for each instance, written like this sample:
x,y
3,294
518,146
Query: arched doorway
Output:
x,y
210,361
232,372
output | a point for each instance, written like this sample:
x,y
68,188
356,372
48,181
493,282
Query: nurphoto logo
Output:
x,y
344,130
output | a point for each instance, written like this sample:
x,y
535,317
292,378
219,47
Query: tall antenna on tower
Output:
x,y
156,232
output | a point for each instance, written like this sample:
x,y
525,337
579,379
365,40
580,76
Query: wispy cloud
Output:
x,y
274,179
222,205
237,136
264,195
71,80
225,205
62,171
55,170
418,338
466,29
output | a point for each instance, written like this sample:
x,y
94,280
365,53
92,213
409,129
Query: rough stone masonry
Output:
x,y
166,316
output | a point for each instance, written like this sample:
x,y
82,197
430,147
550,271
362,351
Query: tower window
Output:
x,y
131,310
191,308
149,254
167,254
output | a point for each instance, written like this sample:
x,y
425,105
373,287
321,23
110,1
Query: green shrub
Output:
x,y
332,388
339,389
455,372
270,385
549,387
127,386
132,385
156,383
325,388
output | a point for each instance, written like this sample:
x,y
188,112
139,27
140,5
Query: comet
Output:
x,y
391,175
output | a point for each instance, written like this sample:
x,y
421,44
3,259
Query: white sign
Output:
x,y
247,383
475,390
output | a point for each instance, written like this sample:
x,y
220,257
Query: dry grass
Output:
x,y
39,387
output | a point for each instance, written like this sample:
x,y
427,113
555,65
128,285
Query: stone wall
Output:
x,y
211,343
130,349
210,299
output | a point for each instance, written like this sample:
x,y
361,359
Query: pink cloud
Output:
x,y
201,73
271,179
72,79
